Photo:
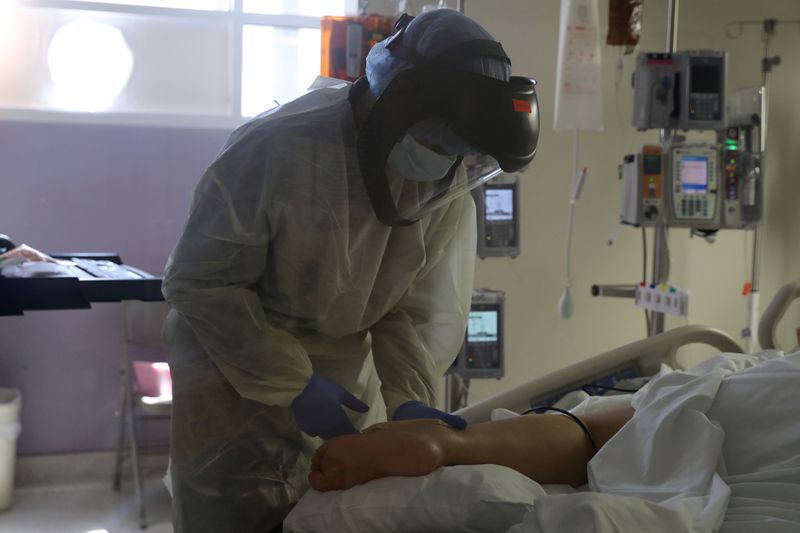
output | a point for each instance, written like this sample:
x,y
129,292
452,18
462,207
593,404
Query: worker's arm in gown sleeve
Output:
x,y
211,277
418,340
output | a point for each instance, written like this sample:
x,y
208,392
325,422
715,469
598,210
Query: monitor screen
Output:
x,y
482,326
652,164
694,174
499,204
705,79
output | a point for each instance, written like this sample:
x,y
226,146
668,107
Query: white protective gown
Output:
x,y
283,270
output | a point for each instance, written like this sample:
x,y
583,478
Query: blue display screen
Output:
x,y
482,326
499,204
694,174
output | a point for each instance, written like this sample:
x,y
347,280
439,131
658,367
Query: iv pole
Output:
x,y
768,27
661,259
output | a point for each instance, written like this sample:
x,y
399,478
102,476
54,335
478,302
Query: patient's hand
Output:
x,y
405,448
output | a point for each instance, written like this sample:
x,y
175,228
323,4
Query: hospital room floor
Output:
x,y
54,505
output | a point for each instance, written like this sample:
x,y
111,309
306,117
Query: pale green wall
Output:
x,y
538,340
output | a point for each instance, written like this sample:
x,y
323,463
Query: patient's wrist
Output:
x,y
453,446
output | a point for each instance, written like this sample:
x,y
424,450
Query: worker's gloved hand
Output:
x,y
416,409
318,409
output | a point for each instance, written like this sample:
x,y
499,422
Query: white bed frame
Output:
x,y
645,356
773,314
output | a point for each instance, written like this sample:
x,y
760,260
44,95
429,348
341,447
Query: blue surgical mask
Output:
x,y
413,161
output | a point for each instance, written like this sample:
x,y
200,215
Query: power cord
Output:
x,y
588,389
540,410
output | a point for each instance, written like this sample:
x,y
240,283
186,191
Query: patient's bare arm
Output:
x,y
546,448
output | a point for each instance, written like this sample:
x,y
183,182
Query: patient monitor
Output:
x,y
481,355
497,206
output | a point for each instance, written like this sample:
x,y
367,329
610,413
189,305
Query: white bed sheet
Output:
x,y
715,448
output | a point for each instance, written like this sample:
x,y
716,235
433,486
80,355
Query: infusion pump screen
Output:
x,y
482,326
694,174
499,204
705,79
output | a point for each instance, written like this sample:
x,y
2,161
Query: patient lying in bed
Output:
x,y
710,449
546,448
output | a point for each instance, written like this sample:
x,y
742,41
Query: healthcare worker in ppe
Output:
x,y
324,276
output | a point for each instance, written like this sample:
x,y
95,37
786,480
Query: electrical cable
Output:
x,y
707,234
667,258
459,392
586,389
644,276
540,410
463,397
746,233
644,254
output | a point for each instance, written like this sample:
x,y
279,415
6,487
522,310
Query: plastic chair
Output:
x,y
146,386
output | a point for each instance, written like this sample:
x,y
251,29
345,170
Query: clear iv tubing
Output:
x,y
575,149
565,302
620,68
575,191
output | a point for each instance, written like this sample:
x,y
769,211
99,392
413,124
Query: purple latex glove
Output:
x,y
415,409
318,409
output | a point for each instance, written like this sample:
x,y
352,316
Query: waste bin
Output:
x,y
10,401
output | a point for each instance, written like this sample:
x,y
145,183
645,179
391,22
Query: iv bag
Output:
x,y
579,73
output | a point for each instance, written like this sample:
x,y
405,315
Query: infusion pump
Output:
x,y
694,186
691,186
681,90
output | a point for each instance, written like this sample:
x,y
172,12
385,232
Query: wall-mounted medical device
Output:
x,y
682,90
695,185
741,164
482,354
643,188
743,189
497,204
346,41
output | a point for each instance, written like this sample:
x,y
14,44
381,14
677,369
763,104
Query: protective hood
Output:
x,y
499,119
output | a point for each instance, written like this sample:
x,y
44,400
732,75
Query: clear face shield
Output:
x,y
496,124
422,179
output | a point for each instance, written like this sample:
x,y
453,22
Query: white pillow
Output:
x,y
469,498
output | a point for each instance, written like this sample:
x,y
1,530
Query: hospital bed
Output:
x,y
640,358
644,470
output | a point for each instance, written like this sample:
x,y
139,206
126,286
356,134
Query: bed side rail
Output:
x,y
777,307
646,354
